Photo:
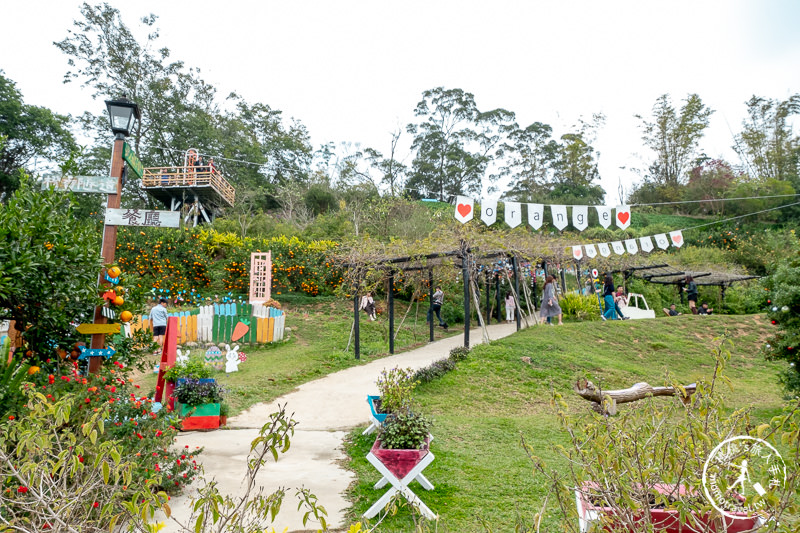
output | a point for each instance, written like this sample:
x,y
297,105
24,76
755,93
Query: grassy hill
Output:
x,y
495,398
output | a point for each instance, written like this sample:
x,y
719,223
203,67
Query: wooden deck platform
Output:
x,y
181,183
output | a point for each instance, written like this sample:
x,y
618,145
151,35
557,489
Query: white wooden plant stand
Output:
x,y
401,485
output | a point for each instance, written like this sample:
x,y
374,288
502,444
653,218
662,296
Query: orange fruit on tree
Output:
x,y
32,370
119,300
126,316
114,272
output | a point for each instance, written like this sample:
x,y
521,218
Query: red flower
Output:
x,y
80,458
95,505
22,490
11,417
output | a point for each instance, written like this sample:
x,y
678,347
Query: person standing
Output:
x,y
550,307
158,318
511,306
608,298
436,306
691,289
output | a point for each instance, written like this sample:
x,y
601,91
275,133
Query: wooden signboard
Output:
x,y
91,184
142,217
90,329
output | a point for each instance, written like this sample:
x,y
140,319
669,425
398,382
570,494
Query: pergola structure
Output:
x,y
665,274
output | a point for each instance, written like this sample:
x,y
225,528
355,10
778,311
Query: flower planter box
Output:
x,y
664,520
203,416
399,462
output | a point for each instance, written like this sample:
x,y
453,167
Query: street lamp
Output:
x,y
122,114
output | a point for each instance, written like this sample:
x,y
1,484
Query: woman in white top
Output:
x,y
511,306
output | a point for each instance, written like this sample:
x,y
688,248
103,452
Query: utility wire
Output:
x,y
740,216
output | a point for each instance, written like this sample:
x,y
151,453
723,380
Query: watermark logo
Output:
x,y
740,473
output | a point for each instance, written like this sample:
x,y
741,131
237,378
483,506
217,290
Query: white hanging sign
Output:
x,y
604,214
513,214
623,216
580,217
662,241
577,253
559,213
619,249
141,217
488,211
677,238
591,251
646,243
464,209
630,246
535,215
605,251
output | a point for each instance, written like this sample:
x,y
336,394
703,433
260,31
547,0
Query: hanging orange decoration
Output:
x,y
126,316
114,272
119,300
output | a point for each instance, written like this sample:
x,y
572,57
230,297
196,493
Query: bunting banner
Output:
x,y
618,248
677,238
513,214
489,211
591,251
580,217
604,214
630,246
623,216
605,251
464,210
535,215
559,213
577,253
662,241
646,244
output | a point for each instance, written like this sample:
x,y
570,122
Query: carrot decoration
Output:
x,y
239,331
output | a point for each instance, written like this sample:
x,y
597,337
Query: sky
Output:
x,y
353,71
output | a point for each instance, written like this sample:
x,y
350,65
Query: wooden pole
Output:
x,y
430,301
390,296
465,273
488,292
497,295
108,248
517,310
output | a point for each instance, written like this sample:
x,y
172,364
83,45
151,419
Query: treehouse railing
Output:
x,y
165,177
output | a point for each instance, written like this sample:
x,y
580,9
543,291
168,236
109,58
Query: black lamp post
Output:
x,y
122,114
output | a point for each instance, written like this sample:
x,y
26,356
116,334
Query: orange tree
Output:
x,y
49,263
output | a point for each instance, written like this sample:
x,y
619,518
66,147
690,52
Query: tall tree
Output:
x,y
392,172
576,165
454,143
767,143
28,132
531,154
674,137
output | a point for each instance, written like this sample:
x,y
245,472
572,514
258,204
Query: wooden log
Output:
x,y
605,401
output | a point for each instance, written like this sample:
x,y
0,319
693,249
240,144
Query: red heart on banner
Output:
x,y
464,209
677,239
577,253
624,216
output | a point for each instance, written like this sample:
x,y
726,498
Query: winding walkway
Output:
x,y
326,410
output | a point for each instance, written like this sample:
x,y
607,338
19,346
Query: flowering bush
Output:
x,y
197,392
395,387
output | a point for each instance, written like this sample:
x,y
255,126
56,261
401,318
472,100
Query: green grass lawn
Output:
x,y
320,328
494,399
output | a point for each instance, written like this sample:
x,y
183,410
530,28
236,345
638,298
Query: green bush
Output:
x,y
579,306
193,368
404,430
434,370
459,353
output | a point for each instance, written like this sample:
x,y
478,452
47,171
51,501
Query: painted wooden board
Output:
x,y
270,329
89,329
200,422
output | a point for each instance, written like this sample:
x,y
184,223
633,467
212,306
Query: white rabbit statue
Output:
x,y
232,359
182,358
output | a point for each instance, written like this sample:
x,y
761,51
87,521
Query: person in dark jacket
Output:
x,y
612,309
691,289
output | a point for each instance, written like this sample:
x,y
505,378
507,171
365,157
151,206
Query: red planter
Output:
x,y
399,462
667,520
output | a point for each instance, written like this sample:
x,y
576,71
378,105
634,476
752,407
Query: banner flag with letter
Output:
x,y
535,215
559,213
488,211
580,217
513,214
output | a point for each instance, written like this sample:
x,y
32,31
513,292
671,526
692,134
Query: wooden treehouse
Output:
x,y
197,189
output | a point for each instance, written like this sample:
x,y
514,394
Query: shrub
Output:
x,y
194,392
193,368
784,312
579,306
459,353
405,430
435,370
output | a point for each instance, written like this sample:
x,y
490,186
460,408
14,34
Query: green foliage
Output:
x,y
459,353
191,391
579,306
784,312
50,267
396,386
434,370
404,430
193,368
12,373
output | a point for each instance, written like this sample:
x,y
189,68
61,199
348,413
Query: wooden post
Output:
x,y
390,297
497,296
578,277
563,282
108,248
488,304
356,330
465,273
430,301
516,289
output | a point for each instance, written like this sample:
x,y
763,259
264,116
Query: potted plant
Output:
x,y
224,409
198,402
192,368
395,387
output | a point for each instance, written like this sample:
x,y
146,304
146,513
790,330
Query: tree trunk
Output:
x,y
606,401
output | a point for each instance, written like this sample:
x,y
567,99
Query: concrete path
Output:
x,y
326,410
